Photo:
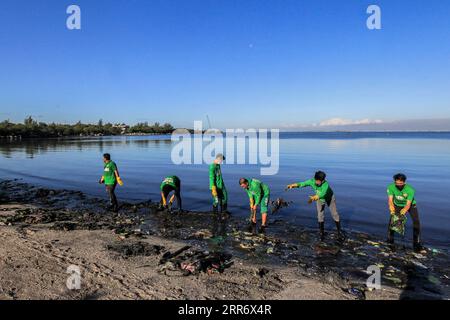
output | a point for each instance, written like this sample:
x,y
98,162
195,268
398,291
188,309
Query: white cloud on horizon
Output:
x,y
346,122
334,122
442,124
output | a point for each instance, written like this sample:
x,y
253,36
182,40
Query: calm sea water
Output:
x,y
359,167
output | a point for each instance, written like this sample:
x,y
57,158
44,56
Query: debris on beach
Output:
x,y
358,293
326,249
202,234
195,261
279,204
135,249
64,226
170,255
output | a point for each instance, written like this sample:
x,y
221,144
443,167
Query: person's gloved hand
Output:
x,y
100,181
119,181
214,191
313,198
392,209
404,211
292,186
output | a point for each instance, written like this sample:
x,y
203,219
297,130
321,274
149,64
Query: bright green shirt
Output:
x,y
109,175
401,197
215,176
324,191
172,181
257,190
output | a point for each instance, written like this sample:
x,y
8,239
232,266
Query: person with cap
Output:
x,y
217,185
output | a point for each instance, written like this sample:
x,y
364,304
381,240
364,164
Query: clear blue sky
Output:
x,y
251,63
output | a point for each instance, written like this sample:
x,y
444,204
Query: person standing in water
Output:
x,y
169,184
111,178
324,197
259,195
217,185
401,200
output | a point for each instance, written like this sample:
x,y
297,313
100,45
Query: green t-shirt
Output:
x,y
401,197
257,190
172,181
215,176
109,175
324,191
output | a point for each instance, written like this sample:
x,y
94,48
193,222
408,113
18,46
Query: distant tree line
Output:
x,y
155,128
33,129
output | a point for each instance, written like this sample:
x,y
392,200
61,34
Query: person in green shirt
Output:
x,y
401,200
217,186
111,178
259,195
324,197
169,184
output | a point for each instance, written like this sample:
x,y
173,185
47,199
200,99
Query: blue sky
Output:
x,y
245,63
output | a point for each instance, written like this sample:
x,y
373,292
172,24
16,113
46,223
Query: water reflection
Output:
x,y
35,147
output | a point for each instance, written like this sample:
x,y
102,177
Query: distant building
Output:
x,y
122,126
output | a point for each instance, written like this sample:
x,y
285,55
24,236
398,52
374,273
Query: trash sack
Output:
x,y
398,223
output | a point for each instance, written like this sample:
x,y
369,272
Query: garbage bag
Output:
x,y
398,223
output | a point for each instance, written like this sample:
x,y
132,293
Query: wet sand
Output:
x,y
144,253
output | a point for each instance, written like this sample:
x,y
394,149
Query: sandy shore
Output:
x,y
125,256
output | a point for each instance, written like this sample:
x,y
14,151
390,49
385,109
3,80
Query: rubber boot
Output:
x,y
418,248
224,208
322,231
251,227
262,229
339,231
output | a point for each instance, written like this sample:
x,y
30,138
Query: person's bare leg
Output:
x,y
264,219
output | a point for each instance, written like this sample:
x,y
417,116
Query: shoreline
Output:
x,y
133,255
20,138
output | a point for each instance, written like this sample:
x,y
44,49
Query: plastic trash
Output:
x,y
418,264
358,293
434,280
395,280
